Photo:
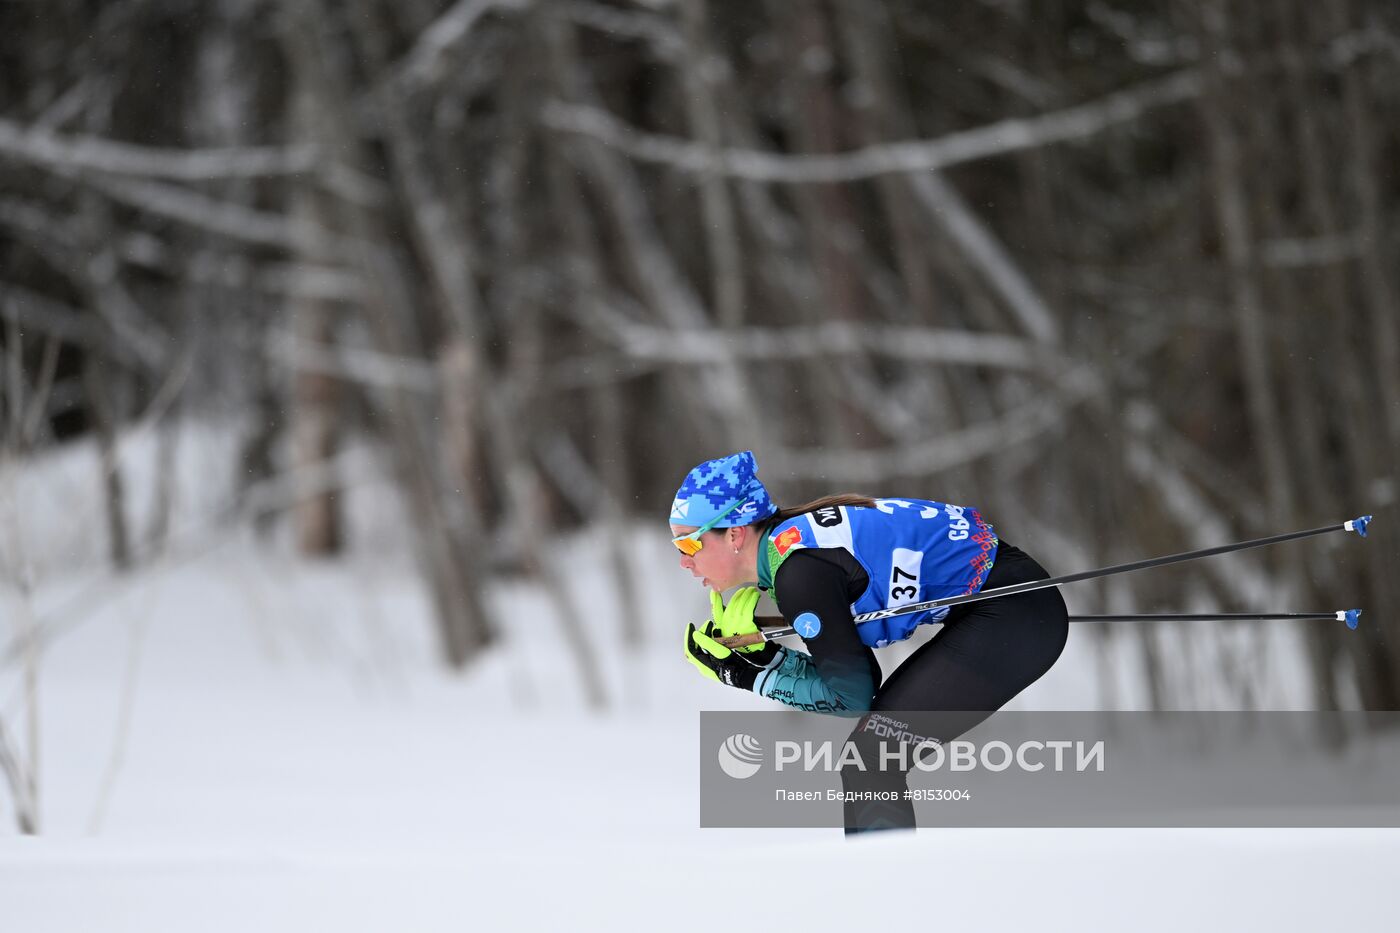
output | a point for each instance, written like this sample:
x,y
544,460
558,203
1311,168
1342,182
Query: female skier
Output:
x,y
823,562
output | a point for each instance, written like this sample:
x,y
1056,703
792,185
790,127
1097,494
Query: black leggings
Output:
x,y
986,653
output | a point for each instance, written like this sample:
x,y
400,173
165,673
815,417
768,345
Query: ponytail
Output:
x,y
825,502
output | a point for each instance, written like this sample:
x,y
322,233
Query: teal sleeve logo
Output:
x,y
808,625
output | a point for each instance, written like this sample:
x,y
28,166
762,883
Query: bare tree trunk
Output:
x,y
449,247
611,448
514,407
95,275
315,396
813,123
315,421
721,233
164,483
443,535
17,776
1238,247
884,115
724,408
1230,173
1376,659
20,766
255,454
611,452
1312,431
99,392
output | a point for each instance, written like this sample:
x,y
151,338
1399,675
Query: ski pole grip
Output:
x,y
742,641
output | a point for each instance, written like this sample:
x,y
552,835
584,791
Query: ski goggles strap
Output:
x,y
690,544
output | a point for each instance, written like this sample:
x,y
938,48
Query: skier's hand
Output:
x,y
715,661
737,619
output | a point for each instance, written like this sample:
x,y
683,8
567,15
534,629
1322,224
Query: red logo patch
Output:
x,y
786,540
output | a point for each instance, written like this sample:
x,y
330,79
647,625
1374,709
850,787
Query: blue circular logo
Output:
x,y
808,625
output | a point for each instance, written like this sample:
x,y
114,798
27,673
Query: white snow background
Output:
x,y
239,739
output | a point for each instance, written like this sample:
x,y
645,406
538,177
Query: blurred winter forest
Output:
x,y
1122,275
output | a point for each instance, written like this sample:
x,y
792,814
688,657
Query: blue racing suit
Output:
x,y
824,567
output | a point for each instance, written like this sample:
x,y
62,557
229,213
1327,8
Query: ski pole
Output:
x,y
1351,617
1357,525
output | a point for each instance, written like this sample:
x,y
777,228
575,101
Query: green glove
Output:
x,y
737,619
715,661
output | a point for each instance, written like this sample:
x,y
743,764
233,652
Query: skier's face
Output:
x,y
716,564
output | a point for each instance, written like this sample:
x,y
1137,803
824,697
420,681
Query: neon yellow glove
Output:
x,y
737,619
715,661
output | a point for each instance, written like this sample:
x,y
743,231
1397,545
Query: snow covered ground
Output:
x,y
246,741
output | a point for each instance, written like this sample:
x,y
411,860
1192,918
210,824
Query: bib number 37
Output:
x,y
904,577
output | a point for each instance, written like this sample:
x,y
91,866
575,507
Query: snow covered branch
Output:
x,y
225,218
701,347
90,153
1301,253
355,364
985,251
1019,426
1000,138
36,312
424,62
665,40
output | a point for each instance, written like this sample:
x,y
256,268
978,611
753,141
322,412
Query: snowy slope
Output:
x,y
293,757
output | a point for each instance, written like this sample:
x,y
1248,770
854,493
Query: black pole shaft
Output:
x,y
1205,617
782,632
1032,585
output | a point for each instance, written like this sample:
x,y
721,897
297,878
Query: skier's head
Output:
x,y
711,517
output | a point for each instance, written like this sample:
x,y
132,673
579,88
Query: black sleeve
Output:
x,y
824,582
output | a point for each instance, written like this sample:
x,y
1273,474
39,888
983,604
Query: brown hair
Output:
x,y
842,498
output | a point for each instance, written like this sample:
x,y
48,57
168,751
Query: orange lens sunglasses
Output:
x,y
690,544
